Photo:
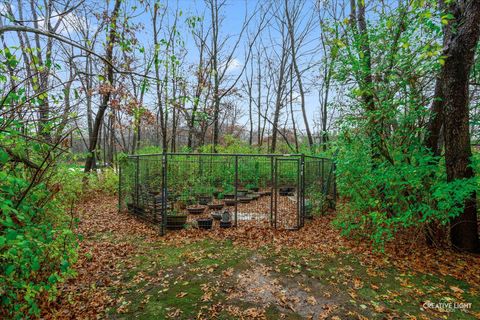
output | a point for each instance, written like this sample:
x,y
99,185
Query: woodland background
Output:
x,y
389,89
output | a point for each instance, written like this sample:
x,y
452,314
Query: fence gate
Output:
x,y
288,198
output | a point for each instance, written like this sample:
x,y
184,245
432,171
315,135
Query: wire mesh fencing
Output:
x,y
178,190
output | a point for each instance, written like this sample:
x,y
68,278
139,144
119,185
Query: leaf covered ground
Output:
x,y
127,271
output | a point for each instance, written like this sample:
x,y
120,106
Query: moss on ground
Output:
x,y
181,281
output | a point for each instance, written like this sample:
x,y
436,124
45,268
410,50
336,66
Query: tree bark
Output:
x,y
460,52
298,74
106,95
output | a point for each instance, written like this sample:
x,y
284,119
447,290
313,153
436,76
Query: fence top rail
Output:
x,y
270,155
316,157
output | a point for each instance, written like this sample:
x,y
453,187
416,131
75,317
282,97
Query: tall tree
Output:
x,y
454,92
108,86
293,14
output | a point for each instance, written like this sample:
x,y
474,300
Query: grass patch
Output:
x,y
376,291
181,281
177,281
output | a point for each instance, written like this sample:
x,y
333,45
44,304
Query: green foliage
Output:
x,y
390,181
105,181
382,198
37,244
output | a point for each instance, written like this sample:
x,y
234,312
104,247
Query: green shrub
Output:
x,y
37,244
105,181
382,198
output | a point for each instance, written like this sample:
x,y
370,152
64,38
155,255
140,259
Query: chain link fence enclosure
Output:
x,y
177,190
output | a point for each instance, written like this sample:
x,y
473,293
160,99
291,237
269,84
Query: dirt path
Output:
x,y
127,271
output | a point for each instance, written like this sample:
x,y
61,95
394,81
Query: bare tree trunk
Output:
x,y
159,86
291,110
279,96
249,84
298,74
216,79
106,95
198,92
259,101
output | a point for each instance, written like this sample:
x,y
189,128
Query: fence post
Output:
x,y
272,188
334,184
164,194
236,188
119,187
137,187
301,191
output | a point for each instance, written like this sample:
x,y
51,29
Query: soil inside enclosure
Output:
x,y
127,271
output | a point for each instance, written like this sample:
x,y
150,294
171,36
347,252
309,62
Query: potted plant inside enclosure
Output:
x,y
228,192
203,192
184,200
175,220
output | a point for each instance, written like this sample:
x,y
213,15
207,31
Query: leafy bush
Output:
x,y
382,198
104,181
37,244
387,177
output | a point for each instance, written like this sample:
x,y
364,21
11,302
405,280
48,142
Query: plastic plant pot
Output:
x,y
225,224
196,209
205,223
286,191
242,193
255,196
176,221
230,202
204,200
244,199
215,206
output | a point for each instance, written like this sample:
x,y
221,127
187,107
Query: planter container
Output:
x,y
138,210
196,209
230,202
215,206
244,199
229,196
204,200
242,193
254,189
255,196
225,224
176,222
286,191
205,223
